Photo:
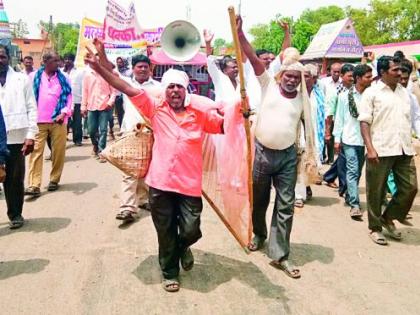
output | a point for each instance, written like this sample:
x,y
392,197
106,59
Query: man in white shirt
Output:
x,y
406,70
76,79
28,63
275,155
225,78
19,108
329,85
134,192
385,122
348,138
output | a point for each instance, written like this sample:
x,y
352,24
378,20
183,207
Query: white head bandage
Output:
x,y
311,69
173,76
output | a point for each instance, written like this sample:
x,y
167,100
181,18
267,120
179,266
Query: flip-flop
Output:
x,y
391,229
331,185
256,244
170,285
126,216
378,238
288,269
187,260
299,203
356,214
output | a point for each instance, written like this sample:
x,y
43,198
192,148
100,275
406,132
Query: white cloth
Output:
x,y
275,67
76,80
131,115
389,115
223,87
19,107
173,76
278,118
415,114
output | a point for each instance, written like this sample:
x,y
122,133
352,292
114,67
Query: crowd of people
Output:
x,y
365,113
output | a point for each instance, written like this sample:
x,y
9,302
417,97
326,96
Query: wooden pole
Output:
x,y
245,108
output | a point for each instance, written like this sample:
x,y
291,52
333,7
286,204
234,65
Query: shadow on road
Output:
x,y
142,214
303,254
76,158
38,225
323,201
411,236
210,271
78,188
14,268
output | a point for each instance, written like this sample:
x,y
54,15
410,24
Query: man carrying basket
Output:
x,y
179,121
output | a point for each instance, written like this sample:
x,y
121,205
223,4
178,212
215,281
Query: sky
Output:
x,y
210,14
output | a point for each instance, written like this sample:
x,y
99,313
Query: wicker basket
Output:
x,y
132,152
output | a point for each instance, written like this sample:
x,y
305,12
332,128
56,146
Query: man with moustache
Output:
x,y
175,173
385,122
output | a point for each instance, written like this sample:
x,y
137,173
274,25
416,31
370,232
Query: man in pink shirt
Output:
x,y
98,98
53,95
179,122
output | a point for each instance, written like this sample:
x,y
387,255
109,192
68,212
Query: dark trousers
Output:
x,y
338,169
77,124
98,127
119,108
14,183
177,222
277,167
329,151
404,170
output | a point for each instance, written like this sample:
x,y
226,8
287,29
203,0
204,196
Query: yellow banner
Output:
x,y
89,29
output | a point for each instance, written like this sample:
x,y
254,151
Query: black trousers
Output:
x,y
177,222
77,124
14,183
119,108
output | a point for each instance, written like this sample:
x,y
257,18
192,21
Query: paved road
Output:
x,y
72,257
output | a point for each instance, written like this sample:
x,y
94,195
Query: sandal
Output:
x,y
391,229
187,260
331,185
256,243
378,238
356,214
170,285
126,216
287,268
299,203
33,191
52,186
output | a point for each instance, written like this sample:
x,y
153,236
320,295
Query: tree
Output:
x,y
310,22
269,36
64,36
19,29
387,21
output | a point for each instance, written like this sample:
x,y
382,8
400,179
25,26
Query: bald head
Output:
x,y
335,71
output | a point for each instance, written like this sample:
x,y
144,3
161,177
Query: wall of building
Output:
x,y
33,47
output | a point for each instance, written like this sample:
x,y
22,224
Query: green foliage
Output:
x,y
64,36
269,36
384,21
309,23
387,21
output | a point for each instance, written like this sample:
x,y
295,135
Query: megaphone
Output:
x,y
180,40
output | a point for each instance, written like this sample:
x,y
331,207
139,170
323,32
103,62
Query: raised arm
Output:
x,y
287,41
248,50
208,37
109,76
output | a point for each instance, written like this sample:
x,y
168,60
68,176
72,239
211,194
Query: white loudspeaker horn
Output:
x,y
180,40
